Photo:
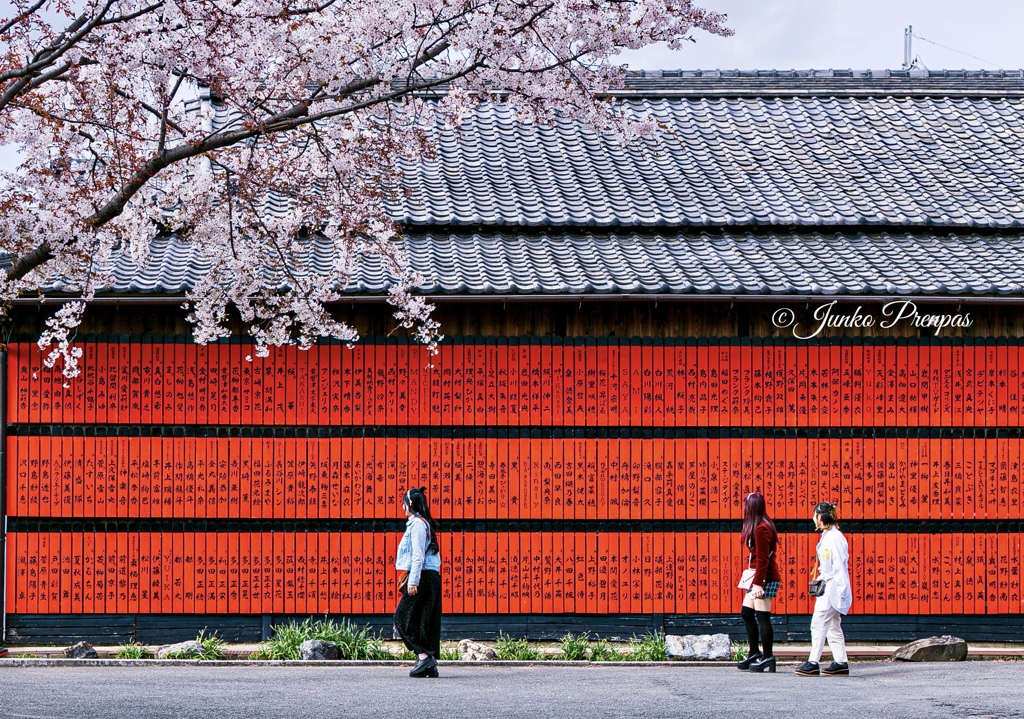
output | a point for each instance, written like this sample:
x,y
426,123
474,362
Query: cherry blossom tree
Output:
x,y
117,108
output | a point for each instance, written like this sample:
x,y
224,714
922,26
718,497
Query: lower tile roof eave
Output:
x,y
580,297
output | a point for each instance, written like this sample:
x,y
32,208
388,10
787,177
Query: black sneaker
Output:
x,y
423,666
808,669
836,669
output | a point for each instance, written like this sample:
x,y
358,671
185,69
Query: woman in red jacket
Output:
x,y
761,541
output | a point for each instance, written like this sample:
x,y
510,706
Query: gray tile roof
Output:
x,y
762,182
701,262
865,83
767,161
763,148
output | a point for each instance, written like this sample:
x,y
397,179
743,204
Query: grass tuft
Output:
x,y
575,647
352,642
509,649
133,650
213,647
648,648
602,651
449,654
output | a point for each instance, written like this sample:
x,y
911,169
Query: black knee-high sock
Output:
x,y
750,621
764,621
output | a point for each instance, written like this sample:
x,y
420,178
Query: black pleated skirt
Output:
x,y
418,618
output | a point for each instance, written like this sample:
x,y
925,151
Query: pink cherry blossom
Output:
x,y
118,108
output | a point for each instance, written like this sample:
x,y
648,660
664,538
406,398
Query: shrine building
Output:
x,y
806,283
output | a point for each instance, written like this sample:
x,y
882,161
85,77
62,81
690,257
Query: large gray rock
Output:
x,y
318,650
475,652
182,650
82,650
933,649
698,646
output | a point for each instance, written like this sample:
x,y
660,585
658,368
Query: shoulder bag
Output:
x,y
747,578
816,587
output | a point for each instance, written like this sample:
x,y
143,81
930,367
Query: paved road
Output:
x,y
972,689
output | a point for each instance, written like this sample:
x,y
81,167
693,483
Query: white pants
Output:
x,y
827,622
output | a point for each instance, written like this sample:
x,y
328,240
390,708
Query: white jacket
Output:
x,y
834,568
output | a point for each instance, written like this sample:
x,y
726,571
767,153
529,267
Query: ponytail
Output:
x,y
828,513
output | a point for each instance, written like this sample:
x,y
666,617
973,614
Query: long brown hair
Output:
x,y
754,513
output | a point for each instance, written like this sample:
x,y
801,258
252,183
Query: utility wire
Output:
x,y
958,52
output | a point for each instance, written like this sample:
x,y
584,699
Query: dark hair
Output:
x,y
827,512
416,500
754,514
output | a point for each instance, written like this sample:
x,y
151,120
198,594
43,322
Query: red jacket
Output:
x,y
763,550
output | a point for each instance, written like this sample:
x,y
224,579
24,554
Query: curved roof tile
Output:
x,y
664,261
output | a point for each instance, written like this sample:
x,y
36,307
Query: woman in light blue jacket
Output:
x,y
418,616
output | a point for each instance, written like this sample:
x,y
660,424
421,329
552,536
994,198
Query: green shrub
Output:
x,y
133,650
449,654
649,648
739,651
213,647
509,649
575,647
352,642
602,651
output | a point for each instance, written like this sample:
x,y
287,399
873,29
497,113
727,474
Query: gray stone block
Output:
x,y
933,649
318,650
698,646
476,652
82,650
182,650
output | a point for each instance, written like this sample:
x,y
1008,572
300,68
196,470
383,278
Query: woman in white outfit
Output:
x,y
834,568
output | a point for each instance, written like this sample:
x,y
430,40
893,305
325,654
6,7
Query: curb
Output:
x,y
340,663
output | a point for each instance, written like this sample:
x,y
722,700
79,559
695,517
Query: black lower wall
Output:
x,y
165,629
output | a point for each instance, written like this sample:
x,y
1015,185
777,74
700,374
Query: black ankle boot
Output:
x,y
764,664
745,664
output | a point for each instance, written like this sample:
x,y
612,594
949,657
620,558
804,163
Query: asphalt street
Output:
x,y
906,691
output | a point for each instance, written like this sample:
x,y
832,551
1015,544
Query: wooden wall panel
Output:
x,y
518,573
557,479
721,384
524,429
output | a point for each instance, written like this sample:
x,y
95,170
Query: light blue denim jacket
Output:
x,y
412,556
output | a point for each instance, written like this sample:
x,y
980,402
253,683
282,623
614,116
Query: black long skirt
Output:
x,y
418,618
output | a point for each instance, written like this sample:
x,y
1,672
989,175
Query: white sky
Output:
x,y
858,34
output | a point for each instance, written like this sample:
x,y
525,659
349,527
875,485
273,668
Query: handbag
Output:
x,y
747,577
816,587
